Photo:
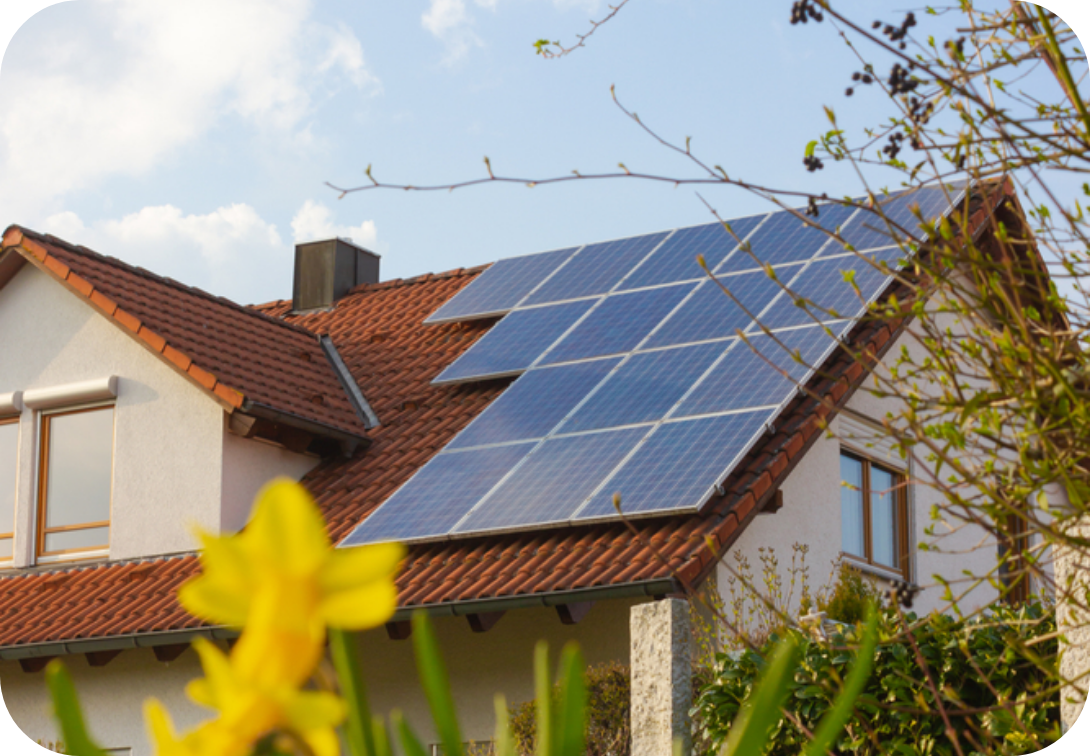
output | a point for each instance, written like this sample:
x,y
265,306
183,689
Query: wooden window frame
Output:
x,y
902,519
12,420
43,490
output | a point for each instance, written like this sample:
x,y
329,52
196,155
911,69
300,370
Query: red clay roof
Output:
x,y
394,356
237,354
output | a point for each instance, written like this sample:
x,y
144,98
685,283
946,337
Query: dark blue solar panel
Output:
x,y
596,269
500,288
678,466
784,238
869,230
711,314
439,495
515,342
744,378
675,260
619,324
534,404
645,388
554,481
826,294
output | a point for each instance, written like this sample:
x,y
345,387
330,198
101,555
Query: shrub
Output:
x,y
849,596
994,674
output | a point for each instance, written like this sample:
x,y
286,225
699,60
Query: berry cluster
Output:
x,y
902,593
862,78
804,10
893,146
897,33
900,80
812,208
812,163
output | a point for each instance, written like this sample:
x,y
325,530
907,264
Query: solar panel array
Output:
x,y
633,379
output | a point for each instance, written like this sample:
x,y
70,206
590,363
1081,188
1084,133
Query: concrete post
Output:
x,y
1073,620
662,693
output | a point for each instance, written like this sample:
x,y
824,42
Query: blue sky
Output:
x,y
196,138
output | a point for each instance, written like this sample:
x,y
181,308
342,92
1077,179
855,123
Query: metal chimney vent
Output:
x,y
326,270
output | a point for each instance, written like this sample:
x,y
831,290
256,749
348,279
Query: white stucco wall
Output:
x,y
480,665
174,462
811,516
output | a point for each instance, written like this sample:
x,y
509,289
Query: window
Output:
x,y
9,458
873,514
74,483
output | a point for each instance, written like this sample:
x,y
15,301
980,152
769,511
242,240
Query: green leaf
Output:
x,y
542,689
67,710
342,646
570,721
433,676
410,744
749,734
833,723
505,744
811,147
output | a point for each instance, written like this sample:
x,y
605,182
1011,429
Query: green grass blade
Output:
x,y
410,744
543,688
382,737
571,718
358,726
505,743
67,710
833,722
761,712
433,676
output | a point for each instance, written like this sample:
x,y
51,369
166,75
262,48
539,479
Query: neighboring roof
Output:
x,y
245,360
380,332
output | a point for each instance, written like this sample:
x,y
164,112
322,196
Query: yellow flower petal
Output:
x,y
323,742
204,598
269,659
200,692
309,710
370,605
352,567
161,731
287,528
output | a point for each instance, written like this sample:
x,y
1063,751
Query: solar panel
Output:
x,y
513,344
827,289
633,380
501,287
678,466
785,238
618,324
645,388
744,377
676,261
868,230
553,482
438,495
596,269
711,314
534,404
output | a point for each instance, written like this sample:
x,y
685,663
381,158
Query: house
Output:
x,y
132,406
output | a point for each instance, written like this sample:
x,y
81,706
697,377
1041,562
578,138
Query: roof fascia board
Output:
x,y
11,262
355,395
142,335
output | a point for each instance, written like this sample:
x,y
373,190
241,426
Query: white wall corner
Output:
x,y
660,635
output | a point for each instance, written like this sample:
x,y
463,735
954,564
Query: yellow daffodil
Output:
x,y
282,572
248,711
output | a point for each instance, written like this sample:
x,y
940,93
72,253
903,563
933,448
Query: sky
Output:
x,y
196,139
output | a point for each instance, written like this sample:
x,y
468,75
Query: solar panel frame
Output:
x,y
785,230
533,485
481,300
505,350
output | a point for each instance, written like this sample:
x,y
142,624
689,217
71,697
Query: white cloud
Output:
x,y
123,84
231,251
315,221
449,22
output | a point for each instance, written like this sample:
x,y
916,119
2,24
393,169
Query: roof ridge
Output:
x,y
145,273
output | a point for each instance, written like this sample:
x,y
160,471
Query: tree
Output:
x,y
992,390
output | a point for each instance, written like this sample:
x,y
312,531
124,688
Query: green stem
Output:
x,y
1065,72
361,741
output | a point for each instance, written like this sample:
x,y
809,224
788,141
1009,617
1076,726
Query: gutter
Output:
x,y
349,441
641,589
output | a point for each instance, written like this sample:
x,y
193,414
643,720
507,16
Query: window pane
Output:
x,y
9,442
80,461
71,540
5,548
851,506
883,517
